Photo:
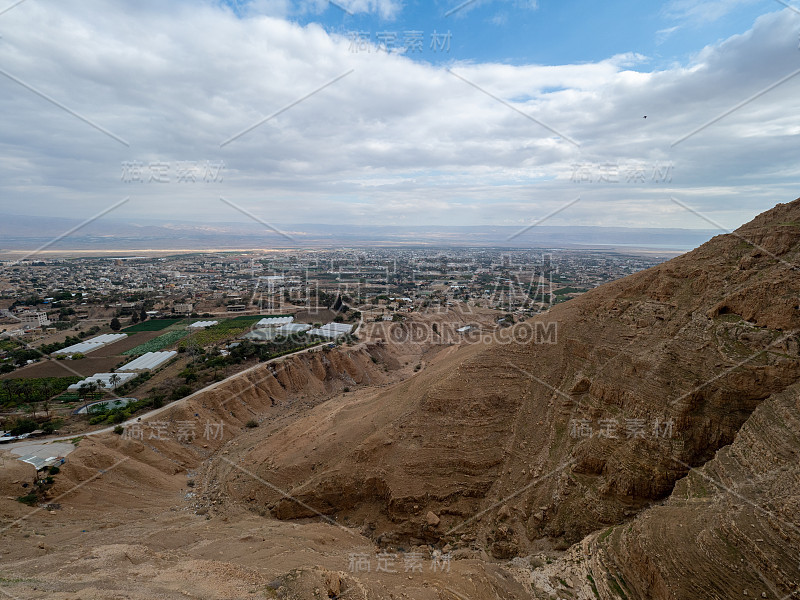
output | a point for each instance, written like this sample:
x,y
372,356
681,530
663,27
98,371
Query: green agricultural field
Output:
x,y
569,290
225,330
151,325
159,343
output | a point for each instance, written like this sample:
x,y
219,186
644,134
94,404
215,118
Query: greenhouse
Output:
x,y
147,361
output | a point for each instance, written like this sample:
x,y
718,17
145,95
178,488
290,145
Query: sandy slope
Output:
x,y
477,455
150,518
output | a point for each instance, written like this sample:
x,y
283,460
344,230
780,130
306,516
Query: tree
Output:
x,y
115,324
134,318
46,389
10,388
114,380
83,393
143,315
25,387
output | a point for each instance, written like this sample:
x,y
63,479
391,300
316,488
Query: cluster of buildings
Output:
x,y
41,293
24,321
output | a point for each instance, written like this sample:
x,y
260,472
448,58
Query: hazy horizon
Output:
x,y
371,112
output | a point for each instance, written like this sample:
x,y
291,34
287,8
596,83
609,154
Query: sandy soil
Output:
x,y
151,518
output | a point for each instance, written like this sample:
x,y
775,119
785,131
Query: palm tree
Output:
x,y
8,386
83,391
46,390
114,380
26,388
86,391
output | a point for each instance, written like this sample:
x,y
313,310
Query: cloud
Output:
x,y
463,7
663,34
393,140
385,9
704,12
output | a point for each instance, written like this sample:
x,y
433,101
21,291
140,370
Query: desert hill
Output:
x,y
648,449
516,447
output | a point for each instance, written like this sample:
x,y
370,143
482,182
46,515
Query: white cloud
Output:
x,y
663,34
703,12
393,140
461,8
385,9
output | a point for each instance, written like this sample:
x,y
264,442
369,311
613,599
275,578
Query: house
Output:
x,y
182,308
33,319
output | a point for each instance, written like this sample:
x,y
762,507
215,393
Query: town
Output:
x,y
37,295
91,341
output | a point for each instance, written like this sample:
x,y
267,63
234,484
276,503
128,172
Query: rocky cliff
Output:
x,y
515,447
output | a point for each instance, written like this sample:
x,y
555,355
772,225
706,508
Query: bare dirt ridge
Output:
x,y
651,452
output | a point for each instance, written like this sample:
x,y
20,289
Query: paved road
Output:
x,y
44,449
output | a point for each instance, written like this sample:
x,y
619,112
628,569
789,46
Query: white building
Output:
x,y
31,319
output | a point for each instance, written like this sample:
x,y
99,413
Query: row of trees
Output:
x,y
38,393
33,392
94,389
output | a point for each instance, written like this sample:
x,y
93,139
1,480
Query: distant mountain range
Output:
x,y
29,233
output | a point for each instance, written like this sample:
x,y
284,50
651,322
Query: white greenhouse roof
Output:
x,y
40,462
291,328
147,361
202,324
105,378
261,335
332,331
92,343
274,321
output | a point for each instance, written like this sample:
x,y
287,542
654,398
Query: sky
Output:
x,y
374,112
